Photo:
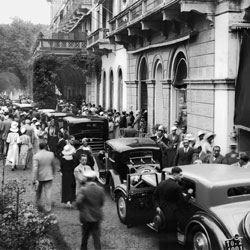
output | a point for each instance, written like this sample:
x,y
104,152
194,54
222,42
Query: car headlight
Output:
x,y
246,226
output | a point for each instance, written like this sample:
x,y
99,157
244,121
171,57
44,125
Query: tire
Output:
x,y
111,188
199,239
121,207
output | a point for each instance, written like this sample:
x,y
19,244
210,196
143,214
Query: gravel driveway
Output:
x,y
114,234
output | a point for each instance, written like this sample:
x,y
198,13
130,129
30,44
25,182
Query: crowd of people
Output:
x,y
181,148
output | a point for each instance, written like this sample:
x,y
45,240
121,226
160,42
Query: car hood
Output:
x,y
232,215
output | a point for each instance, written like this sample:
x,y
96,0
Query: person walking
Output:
x,y
89,202
24,148
44,168
8,118
13,140
68,179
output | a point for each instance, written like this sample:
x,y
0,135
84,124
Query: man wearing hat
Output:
x,y
90,200
184,154
169,199
232,156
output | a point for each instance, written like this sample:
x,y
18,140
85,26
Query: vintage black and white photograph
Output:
x,y
124,125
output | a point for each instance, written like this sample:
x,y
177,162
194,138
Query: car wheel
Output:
x,y
200,240
121,208
111,188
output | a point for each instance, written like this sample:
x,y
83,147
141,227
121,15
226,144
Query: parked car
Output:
x,y
128,155
57,116
24,107
95,128
218,217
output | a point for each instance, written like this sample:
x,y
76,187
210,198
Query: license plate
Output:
x,y
234,244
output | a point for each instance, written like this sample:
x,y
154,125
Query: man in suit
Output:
x,y
216,157
184,154
169,199
44,168
199,156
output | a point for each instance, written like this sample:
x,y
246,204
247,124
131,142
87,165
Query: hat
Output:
x,y
68,150
160,128
23,130
34,119
233,144
90,174
209,135
84,139
27,121
189,137
37,123
14,127
174,128
201,133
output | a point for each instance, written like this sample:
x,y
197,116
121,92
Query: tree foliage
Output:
x,y
16,41
44,72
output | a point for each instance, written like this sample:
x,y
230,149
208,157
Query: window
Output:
x,y
238,191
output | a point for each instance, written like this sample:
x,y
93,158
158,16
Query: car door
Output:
x,y
140,205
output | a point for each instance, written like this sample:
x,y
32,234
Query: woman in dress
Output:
x,y
24,149
68,178
52,136
13,140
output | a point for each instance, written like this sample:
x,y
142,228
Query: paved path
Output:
x,y
115,236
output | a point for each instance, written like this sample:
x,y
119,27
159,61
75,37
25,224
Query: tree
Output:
x,y
16,41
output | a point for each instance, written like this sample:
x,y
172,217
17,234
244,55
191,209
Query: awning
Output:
x,y
242,90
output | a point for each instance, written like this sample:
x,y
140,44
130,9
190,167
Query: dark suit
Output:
x,y
231,158
184,158
199,156
168,196
219,159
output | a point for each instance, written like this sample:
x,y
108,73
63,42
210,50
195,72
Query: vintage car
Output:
x,y
57,116
128,155
218,215
24,107
95,128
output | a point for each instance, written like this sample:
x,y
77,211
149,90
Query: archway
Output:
x,y
111,88
104,90
143,92
120,90
158,94
179,89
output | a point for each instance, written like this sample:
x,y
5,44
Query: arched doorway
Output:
x,y
179,107
111,88
143,92
158,94
104,90
120,90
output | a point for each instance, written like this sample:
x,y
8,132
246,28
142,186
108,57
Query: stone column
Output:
x,y
166,88
151,104
132,95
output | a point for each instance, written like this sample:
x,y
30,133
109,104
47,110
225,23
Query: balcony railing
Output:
x,y
49,45
135,12
98,36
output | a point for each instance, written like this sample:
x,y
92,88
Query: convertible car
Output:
x,y
218,216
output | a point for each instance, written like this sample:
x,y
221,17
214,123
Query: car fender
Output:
x,y
116,178
217,234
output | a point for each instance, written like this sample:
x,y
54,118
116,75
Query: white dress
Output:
x,y
12,156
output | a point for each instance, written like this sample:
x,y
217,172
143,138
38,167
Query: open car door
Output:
x,y
137,206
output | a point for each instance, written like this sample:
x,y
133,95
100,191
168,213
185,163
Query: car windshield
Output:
x,y
83,127
238,191
141,156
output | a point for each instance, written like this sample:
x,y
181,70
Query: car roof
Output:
x,y
56,114
82,119
129,143
23,105
216,174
